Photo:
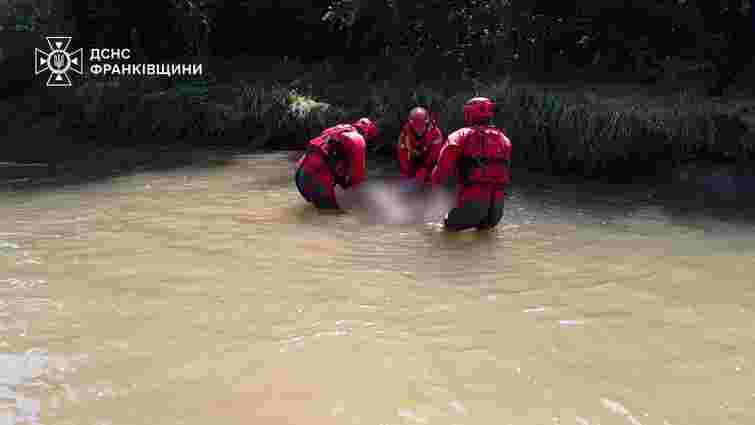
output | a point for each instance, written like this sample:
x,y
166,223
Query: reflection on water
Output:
x,y
18,374
219,296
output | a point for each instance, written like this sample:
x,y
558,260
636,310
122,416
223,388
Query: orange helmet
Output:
x,y
368,128
478,109
419,120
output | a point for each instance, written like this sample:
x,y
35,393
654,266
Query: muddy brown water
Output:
x,y
206,296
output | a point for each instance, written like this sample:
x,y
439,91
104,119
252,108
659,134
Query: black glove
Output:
x,y
342,181
419,157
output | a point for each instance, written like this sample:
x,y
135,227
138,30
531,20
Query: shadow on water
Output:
x,y
693,195
713,199
305,213
468,242
702,196
101,162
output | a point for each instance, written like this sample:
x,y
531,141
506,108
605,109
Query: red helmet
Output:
x,y
368,128
419,120
478,109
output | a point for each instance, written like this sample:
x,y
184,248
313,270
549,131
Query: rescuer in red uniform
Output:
x,y
336,157
479,154
419,145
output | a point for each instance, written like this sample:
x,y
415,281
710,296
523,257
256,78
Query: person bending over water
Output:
x,y
336,157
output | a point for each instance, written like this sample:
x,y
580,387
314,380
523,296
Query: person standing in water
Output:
x,y
480,155
336,157
419,145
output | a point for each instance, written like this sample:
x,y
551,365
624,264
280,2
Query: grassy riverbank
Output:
x,y
562,128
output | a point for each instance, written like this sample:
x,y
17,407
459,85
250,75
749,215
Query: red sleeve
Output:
x,y
357,159
403,152
447,160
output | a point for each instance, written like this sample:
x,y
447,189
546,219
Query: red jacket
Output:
x,y
470,145
410,148
351,167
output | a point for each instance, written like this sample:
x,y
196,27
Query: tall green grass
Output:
x,y
557,131
583,134
254,114
587,135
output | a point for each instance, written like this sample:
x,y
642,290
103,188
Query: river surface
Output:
x,y
217,296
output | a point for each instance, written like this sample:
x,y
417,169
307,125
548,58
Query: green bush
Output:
x,y
258,114
560,132
582,134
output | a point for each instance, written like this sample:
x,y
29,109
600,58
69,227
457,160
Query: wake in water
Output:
x,y
397,201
